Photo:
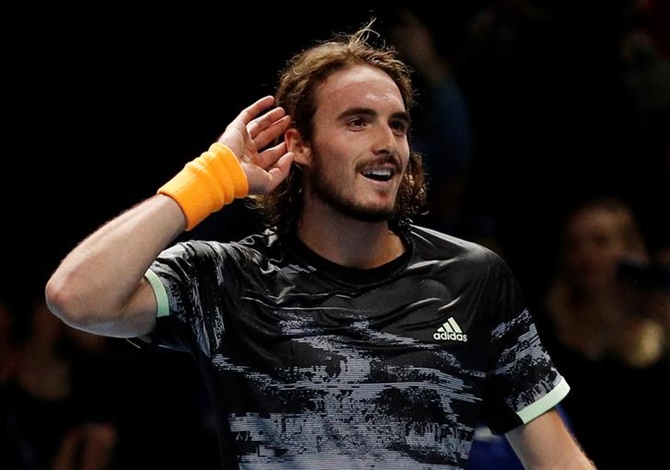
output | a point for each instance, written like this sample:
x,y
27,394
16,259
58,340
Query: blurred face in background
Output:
x,y
595,240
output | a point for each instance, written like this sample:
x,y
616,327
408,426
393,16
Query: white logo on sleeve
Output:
x,y
450,330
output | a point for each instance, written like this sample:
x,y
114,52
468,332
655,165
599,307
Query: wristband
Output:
x,y
207,183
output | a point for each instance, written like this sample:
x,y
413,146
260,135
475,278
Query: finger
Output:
x,y
265,180
250,112
265,121
279,171
268,135
270,156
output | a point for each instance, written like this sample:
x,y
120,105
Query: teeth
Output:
x,y
379,174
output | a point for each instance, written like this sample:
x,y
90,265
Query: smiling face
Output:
x,y
359,151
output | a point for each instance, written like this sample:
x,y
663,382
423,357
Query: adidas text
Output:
x,y
450,331
452,336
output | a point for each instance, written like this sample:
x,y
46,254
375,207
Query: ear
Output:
x,y
296,144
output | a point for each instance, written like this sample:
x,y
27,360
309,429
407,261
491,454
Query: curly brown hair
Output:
x,y
296,93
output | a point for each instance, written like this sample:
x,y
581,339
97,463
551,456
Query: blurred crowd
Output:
x,y
545,129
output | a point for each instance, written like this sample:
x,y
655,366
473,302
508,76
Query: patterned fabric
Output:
x,y
317,366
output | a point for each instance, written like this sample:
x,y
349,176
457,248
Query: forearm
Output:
x,y
99,287
547,443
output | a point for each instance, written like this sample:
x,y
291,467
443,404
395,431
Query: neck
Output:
x,y
349,242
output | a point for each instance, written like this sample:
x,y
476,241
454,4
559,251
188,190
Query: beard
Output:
x,y
330,193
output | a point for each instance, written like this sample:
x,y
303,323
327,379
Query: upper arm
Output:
x,y
139,318
102,312
547,443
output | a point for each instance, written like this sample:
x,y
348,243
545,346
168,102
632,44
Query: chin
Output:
x,y
371,215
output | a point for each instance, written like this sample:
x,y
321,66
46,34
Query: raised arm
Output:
x,y
100,287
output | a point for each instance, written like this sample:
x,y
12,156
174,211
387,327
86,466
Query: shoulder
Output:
x,y
249,246
472,260
440,244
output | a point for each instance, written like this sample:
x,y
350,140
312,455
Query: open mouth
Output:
x,y
379,174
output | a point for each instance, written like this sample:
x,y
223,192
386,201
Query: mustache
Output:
x,y
391,159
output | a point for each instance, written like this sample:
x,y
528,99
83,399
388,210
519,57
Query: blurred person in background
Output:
x,y
52,407
69,399
609,307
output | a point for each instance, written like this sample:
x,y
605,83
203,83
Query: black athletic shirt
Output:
x,y
312,365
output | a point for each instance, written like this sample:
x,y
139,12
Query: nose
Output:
x,y
386,141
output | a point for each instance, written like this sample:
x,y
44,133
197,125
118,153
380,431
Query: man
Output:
x,y
343,336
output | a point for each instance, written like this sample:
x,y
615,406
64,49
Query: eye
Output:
x,y
356,122
400,126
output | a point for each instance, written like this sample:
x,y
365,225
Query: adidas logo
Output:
x,y
450,330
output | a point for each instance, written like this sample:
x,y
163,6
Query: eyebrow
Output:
x,y
403,115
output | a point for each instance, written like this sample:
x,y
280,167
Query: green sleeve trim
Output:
x,y
545,403
162,304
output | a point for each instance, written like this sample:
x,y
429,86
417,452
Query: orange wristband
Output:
x,y
207,183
